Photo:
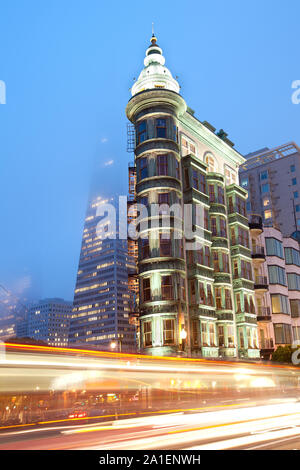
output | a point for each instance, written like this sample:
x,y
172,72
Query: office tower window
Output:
x,y
263,175
293,281
147,326
292,168
274,247
294,181
283,334
165,245
244,182
292,256
166,288
146,289
143,168
296,194
265,188
161,128
295,308
169,327
141,132
280,303
297,207
266,201
277,275
162,165
268,214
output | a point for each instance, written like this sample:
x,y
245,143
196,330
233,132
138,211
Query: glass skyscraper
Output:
x,y
101,300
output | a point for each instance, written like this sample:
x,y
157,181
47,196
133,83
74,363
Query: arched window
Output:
x,y
211,163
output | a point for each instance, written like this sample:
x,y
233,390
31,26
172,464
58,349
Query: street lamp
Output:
x,y
183,336
114,345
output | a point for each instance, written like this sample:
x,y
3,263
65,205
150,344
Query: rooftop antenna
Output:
x,y
152,29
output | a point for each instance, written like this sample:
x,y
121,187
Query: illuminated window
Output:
x,y
166,288
266,201
147,326
268,214
168,328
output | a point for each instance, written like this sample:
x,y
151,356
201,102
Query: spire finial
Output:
x,y
153,38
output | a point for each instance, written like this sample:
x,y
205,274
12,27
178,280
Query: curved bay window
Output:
x,y
168,331
147,329
146,289
162,165
161,128
166,288
141,132
165,244
143,168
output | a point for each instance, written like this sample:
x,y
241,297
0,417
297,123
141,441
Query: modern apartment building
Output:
x,y
272,179
101,300
276,262
48,321
196,287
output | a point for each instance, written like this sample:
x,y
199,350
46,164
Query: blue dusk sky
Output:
x,y
68,66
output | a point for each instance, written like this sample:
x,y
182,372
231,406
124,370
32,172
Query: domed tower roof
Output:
x,y
155,74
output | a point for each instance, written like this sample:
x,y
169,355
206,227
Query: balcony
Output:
x,y
255,223
264,314
261,283
258,253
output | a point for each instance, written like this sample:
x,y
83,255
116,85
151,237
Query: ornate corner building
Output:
x,y
194,265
